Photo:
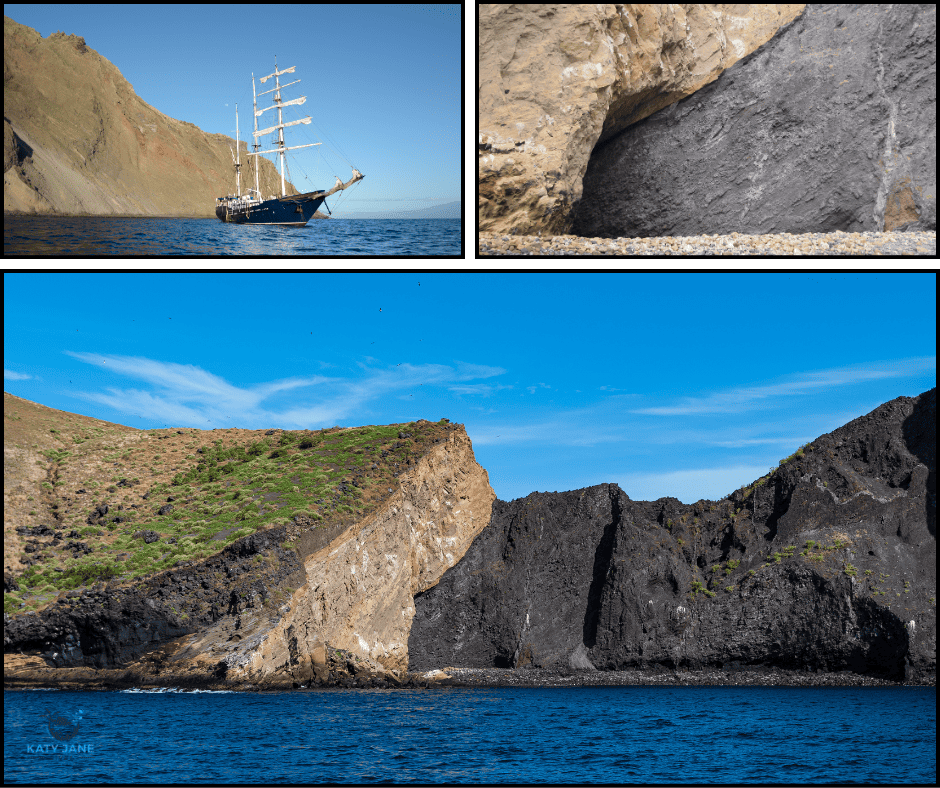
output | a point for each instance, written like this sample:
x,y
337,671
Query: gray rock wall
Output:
x,y
830,125
827,563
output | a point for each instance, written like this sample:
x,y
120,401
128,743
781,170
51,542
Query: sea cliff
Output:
x,y
404,569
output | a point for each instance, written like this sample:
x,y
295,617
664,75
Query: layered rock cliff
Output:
x,y
554,80
828,563
831,125
359,589
276,607
78,140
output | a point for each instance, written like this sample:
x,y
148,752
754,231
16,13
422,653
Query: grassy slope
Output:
x,y
221,484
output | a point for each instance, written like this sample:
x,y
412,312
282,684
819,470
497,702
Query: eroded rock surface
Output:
x,y
272,607
830,125
359,589
828,563
555,79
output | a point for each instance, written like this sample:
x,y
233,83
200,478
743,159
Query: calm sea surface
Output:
x,y
559,735
103,236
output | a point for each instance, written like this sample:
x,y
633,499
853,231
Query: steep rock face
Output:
x,y
270,607
520,594
78,140
831,125
359,589
827,563
556,79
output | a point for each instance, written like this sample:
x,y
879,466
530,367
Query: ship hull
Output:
x,y
293,211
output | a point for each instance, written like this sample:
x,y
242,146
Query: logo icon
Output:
x,y
62,727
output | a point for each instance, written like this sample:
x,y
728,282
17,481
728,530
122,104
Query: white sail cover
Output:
x,y
278,73
300,100
282,126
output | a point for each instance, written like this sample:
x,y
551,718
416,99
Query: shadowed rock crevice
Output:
x,y
599,574
554,79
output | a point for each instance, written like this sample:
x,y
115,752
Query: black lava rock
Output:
x,y
831,125
828,563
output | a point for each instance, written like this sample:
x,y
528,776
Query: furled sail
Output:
x,y
300,100
282,126
278,73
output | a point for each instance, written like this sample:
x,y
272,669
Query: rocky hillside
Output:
x,y
827,563
266,548
78,140
275,558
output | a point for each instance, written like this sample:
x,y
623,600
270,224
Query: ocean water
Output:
x,y
462,735
98,236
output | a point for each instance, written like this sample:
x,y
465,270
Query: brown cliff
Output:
x,y
77,139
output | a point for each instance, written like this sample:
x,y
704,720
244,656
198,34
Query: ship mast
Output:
x,y
238,161
255,145
280,148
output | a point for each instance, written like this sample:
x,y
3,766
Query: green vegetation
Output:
x,y
212,487
697,588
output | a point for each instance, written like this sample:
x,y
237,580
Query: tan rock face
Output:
x,y
556,79
360,588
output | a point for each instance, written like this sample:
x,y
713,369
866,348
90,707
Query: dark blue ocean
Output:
x,y
556,735
99,236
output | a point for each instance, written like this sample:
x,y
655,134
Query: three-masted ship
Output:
x,y
288,209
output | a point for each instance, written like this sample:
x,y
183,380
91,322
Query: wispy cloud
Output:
x,y
737,400
187,394
9,374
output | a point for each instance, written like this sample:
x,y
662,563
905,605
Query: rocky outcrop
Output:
x,y
831,125
271,608
827,563
360,588
556,79
78,140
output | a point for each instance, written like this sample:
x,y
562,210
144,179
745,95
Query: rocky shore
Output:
x,y
29,675
837,244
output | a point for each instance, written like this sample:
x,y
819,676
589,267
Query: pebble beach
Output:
x,y
837,244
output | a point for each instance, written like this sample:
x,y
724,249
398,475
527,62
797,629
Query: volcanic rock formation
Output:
x,y
830,125
556,79
826,563
78,140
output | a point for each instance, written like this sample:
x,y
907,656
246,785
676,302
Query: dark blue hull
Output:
x,y
295,210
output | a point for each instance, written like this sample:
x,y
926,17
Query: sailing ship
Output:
x,y
294,210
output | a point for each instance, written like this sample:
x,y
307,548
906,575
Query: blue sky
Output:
x,y
382,82
678,384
